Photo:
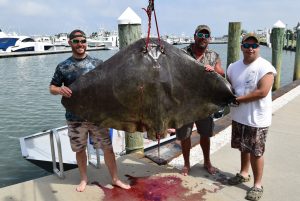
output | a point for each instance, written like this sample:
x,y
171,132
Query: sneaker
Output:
x,y
238,179
254,193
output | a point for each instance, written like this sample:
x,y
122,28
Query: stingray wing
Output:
x,y
148,91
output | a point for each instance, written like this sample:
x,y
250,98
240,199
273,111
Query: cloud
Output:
x,y
3,2
33,9
174,17
109,8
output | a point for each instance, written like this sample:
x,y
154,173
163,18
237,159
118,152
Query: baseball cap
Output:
x,y
76,33
250,35
202,27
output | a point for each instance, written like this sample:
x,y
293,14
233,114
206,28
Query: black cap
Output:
x,y
76,33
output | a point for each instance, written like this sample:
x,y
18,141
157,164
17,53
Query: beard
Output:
x,y
202,46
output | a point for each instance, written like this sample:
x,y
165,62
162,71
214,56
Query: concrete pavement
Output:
x,y
281,179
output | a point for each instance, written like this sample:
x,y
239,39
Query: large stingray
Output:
x,y
138,90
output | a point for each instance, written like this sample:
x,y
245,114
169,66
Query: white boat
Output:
x,y
2,34
60,39
46,39
95,43
43,148
109,39
53,147
15,43
175,40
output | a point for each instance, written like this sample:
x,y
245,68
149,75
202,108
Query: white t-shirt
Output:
x,y
244,79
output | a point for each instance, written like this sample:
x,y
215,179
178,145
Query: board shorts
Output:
x,y
205,127
249,139
80,132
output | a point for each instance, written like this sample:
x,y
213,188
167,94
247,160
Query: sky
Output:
x,y
175,17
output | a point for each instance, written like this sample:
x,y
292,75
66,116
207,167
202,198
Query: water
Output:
x,y
26,107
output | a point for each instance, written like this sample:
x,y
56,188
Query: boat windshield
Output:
x,y
27,40
7,42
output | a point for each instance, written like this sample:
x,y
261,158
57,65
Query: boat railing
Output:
x,y
59,172
90,159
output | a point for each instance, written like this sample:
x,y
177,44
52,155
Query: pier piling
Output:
x,y
277,37
129,29
297,57
287,39
292,43
234,44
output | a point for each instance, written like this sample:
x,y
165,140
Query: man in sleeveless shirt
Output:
x,y
252,79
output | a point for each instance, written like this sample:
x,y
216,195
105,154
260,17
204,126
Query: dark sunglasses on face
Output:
x,y
76,41
247,45
202,35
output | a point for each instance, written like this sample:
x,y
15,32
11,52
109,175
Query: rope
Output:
x,y
149,11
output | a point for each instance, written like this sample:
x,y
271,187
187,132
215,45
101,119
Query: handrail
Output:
x,y
59,172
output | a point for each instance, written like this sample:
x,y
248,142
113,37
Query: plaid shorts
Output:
x,y
249,139
79,132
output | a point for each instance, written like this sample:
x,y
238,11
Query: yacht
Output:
x,y
60,39
95,43
103,37
15,43
2,34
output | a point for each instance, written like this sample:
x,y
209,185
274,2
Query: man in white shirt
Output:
x,y
252,79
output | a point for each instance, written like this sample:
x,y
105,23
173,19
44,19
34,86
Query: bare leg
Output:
x,y
81,162
110,161
185,147
245,164
257,164
205,146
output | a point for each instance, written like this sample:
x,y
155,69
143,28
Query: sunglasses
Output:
x,y
76,41
253,46
202,35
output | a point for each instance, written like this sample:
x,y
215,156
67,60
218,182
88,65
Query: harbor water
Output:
x,y
26,107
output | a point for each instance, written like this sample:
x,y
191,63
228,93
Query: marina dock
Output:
x,y
35,53
281,177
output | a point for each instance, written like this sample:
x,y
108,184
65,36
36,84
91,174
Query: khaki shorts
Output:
x,y
205,127
249,139
79,132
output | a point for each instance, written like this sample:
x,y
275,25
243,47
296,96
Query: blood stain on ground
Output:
x,y
154,188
